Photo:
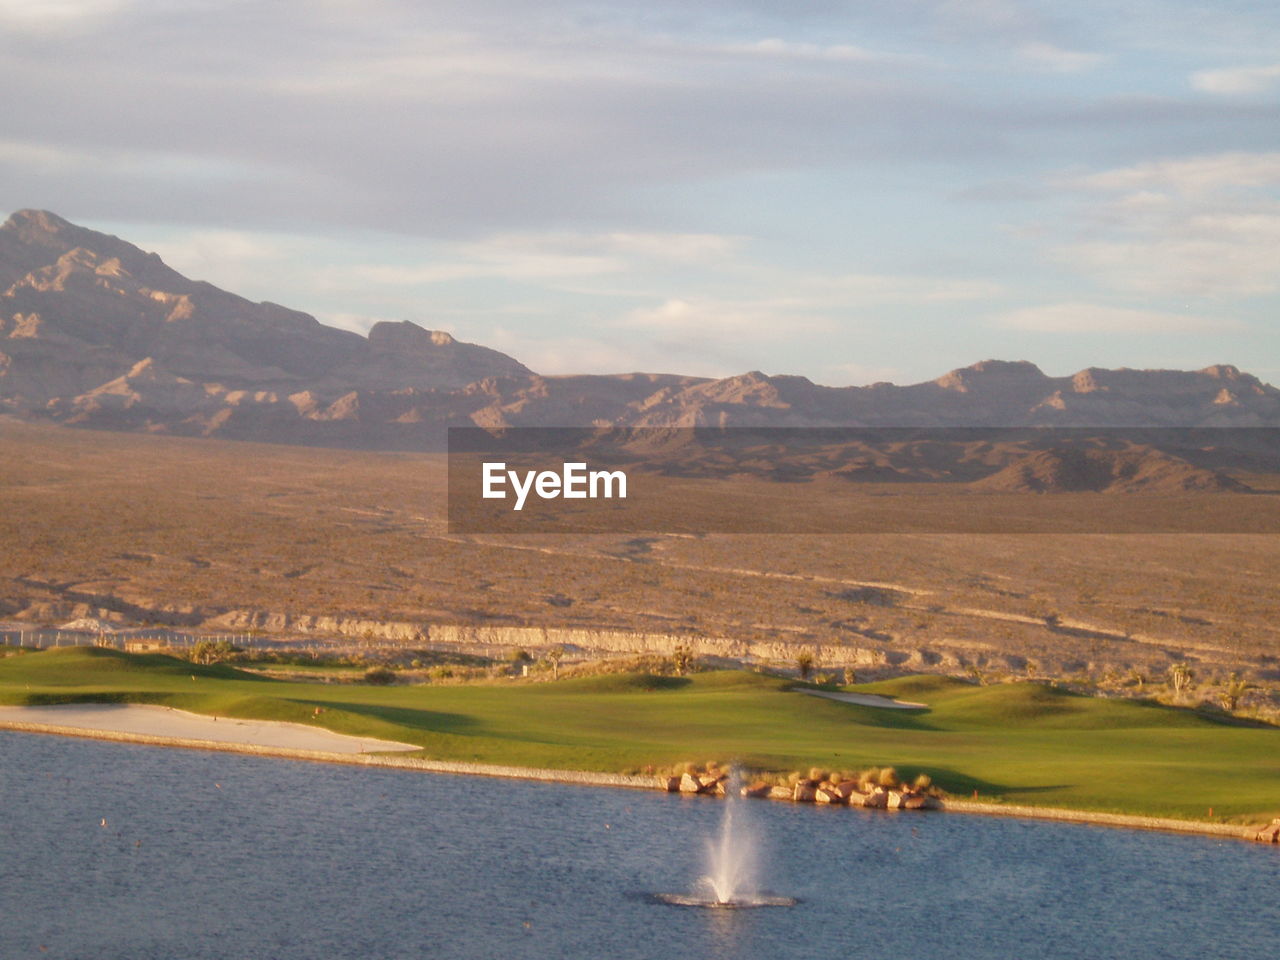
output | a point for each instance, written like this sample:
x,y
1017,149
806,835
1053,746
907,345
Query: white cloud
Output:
x,y
700,247
793,50
862,288
1199,226
52,14
1229,80
1199,256
759,320
1079,317
566,355
197,250
1190,175
554,257
1046,56
145,166
859,374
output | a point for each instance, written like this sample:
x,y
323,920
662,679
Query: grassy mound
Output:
x,y
913,688
84,665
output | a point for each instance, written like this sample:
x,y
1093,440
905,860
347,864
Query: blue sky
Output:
x,y
848,191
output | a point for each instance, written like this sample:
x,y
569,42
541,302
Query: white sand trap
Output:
x,y
867,700
156,721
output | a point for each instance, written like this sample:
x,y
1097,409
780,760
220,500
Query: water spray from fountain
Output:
x,y
731,858
732,862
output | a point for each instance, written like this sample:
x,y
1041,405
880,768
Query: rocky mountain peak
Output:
x,y
406,335
988,374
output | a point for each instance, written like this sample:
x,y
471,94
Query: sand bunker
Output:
x,y
156,721
867,700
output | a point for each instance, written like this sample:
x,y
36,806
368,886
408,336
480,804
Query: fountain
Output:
x,y
731,881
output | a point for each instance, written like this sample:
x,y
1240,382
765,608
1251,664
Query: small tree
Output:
x,y
1233,691
1180,677
681,659
555,655
804,663
212,651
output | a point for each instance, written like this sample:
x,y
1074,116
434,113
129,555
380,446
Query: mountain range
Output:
x,y
95,332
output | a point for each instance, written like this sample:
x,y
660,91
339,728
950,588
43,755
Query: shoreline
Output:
x,y
386,760
596,779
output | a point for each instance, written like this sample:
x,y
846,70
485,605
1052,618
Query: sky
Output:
x,y
852,192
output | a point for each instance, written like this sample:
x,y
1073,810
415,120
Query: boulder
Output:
x,y
669,784
847,788
876,799
756,790
780,793
804,791
690,784
915,801
827,793
1269,833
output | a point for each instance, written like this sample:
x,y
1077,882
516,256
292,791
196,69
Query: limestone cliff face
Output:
x,y
326,626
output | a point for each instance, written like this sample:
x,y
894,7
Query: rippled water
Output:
x,y
222,856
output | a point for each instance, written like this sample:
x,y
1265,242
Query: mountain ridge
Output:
x,y
96,332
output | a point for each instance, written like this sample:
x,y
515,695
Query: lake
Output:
x,y
124,851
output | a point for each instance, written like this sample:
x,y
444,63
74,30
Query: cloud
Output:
x,y
1046,56
553,256
451,120
1231,80
774,47
757,320
56,14
860,374
1078,318
1201,226
864,288
569,355
1190,175
1201,256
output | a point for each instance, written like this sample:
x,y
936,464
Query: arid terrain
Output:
x,y
354,546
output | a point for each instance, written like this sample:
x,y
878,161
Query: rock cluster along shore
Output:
x,y
1268,834
843,793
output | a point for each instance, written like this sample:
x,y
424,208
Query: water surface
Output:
x,y
214,855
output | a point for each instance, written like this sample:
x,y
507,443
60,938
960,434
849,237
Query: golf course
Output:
x,y
1021,743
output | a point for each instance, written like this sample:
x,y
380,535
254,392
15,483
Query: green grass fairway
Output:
x,y
1024,742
